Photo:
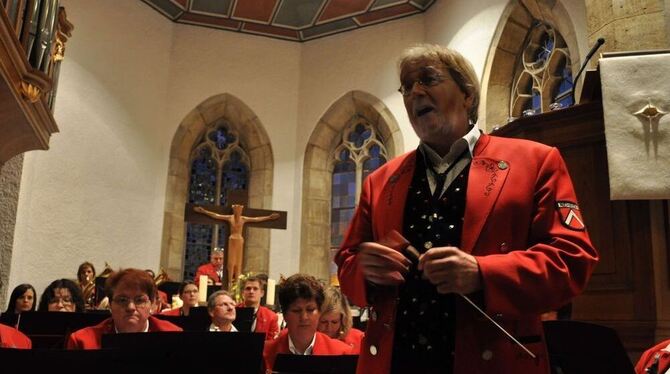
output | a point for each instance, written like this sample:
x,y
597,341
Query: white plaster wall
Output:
x,y
466,26
98,193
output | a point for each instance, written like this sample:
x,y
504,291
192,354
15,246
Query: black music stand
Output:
x,y
50,329
313,364
197,351
244,318
170,288
198,319
581,347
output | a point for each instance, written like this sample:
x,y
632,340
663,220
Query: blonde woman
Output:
x,y
336,321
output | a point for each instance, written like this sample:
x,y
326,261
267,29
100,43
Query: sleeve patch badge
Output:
x,y
571,217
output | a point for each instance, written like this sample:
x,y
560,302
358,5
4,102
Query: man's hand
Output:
x,y
382,265
451,270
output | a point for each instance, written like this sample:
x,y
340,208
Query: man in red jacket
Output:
x,y
213,270
132,292
265,320
492,219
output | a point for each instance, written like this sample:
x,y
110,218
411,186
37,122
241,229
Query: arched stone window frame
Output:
x,y
254,139
318,168
509,39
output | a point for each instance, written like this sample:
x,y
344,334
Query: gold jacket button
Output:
x,y
487,355
502,165
373,350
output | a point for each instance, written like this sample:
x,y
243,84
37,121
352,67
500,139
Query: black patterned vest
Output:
x,y
424,335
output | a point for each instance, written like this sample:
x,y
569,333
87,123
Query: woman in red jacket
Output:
x,y
301,297
336,321
131,291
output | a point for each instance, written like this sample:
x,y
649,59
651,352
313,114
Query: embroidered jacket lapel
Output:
x,y
485,182
393,198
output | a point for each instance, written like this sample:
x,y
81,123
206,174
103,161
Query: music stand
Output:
x,y
244,318
198,319
207,351
49,329
312,364
580,347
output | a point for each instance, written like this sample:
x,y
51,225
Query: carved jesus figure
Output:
x,y
236,222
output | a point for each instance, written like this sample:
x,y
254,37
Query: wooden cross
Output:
x,y
237,224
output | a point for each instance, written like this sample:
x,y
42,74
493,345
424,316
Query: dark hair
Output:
x,y
18,292
49,293
133,278
300,286
183,285
83,266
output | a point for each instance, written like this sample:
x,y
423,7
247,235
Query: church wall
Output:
x,y
264,74
129,79
97,194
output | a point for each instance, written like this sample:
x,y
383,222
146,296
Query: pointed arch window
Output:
x,y
544,74
218,164
360,152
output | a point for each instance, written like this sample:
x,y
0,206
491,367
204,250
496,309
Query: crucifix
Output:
x,y
237,223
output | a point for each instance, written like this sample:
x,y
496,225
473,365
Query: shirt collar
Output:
x,y
213,327
468,140
307,352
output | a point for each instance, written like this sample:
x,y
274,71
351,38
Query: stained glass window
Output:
x,y
544,73
218,164
360,152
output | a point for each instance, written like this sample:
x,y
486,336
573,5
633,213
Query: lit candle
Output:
x,y
270,297
202,290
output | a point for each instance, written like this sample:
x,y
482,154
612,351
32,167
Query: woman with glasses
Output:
x,y
22,300
188,292
62,295
131,291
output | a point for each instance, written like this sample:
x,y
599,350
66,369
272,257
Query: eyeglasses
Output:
x,y
140,301
62,300
428,77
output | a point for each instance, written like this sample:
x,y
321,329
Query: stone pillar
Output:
x,y
628,25
10,181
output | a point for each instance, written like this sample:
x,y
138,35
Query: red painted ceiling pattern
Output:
x,y
296,20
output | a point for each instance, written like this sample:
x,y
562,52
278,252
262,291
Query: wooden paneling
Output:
x,y
621,293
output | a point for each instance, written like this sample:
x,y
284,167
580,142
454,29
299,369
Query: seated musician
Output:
x,y
132,291
221,308
62,295
301,297
265,320
86,279
213,270
188,292
336,320
21,300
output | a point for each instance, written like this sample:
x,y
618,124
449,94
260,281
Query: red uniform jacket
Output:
x,y
13,338
266,322
91,337
353,339
524,228
208,270
323,346
649,356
